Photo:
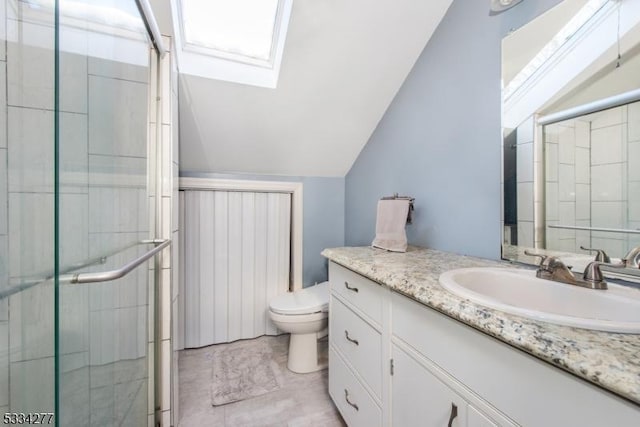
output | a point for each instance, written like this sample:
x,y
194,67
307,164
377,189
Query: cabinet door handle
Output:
x,y
346,334
454,414
351,288
346,397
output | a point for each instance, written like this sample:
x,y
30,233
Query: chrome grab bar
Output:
x,y
106,276
608,230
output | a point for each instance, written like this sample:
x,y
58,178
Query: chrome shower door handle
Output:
x,y
106,276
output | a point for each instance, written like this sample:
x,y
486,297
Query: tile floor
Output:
x,y
302,400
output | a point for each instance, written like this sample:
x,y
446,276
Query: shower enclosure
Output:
x,y
77,213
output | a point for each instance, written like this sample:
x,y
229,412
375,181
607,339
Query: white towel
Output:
x,y
390,223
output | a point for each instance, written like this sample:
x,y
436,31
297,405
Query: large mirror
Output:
x,y
571,132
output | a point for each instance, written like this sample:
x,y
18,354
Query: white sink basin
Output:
x,y
520,292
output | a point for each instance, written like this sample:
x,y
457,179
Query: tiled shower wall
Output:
x,y
592,179
103,199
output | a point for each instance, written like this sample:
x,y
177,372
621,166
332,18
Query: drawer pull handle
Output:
x,y
351,288
346,335
346,397
454,414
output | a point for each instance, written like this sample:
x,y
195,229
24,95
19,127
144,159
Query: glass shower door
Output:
x,y
103,196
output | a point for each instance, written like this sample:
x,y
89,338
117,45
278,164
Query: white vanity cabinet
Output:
x,y
412,365
355,346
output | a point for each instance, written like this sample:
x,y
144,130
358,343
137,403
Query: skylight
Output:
x,y
240,30
586,14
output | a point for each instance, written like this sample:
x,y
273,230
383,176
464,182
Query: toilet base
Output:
x,y
303,354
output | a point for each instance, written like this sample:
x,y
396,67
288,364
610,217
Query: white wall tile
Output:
x,y
74,175
525,201
102,333
32,385
634,161
74,319
4,363
524,162
167,164
74,390
4,274
127,333
525,233
30,150
566,183
130,403
165,304
550,133
583,202
583,166
31,319
31,238
605,118
3,191
634,201
583,134
166,89
3,101
117,117
118,70
583,237
118,171
551,162
607,214
3,31
175,130
73,82
74,229
117,210
633,111
30,65
606,145
165,355
524,132
567,212
551,201
567,145
614,248
606,182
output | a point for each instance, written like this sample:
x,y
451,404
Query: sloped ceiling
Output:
x,y
343,63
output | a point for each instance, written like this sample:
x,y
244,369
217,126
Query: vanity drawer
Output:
x,y
359,342
354,403
363,293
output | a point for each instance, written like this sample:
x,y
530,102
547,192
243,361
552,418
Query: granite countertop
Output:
x,y
609,360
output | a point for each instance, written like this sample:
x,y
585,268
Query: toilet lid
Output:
x,y
305,301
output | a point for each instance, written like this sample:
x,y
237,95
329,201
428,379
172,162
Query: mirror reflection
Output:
x,y
571,131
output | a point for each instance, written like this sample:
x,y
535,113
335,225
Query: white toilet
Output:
x,y
303,314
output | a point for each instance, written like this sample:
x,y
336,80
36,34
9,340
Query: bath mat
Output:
x,y
241,373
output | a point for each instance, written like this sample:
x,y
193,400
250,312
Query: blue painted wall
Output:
x,y
439,140
323,222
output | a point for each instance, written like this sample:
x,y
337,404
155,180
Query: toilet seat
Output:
x,y
313,299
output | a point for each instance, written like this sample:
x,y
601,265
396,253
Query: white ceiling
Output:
x,y
343,63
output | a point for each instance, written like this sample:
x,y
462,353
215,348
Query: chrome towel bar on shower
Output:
x,y
608,230
106,276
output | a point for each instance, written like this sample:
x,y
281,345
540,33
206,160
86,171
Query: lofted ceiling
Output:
x,y
343,63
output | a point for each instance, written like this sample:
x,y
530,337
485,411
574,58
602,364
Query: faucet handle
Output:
x,y
632,258
593,273
542,257
601,256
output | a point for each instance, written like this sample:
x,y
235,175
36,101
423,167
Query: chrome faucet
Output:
x,y
632,259
600,256
552,268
